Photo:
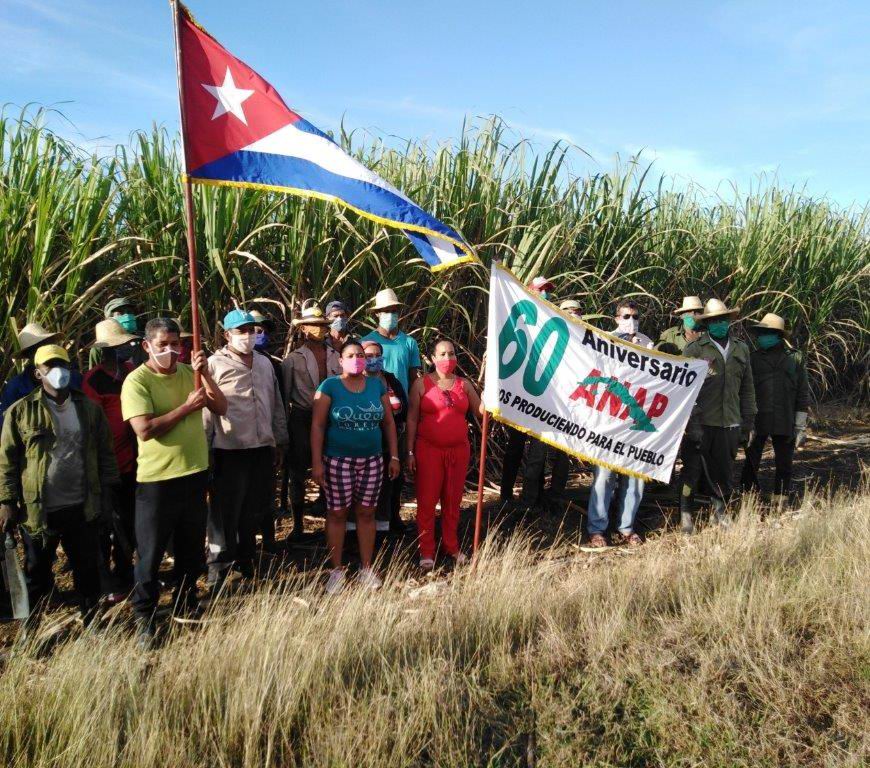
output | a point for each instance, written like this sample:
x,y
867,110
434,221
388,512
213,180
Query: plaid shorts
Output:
x,y
351,480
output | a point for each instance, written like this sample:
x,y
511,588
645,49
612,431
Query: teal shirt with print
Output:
x,y
354,425
400,354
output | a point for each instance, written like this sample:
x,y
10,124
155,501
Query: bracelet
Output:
x,y
394,458
410,453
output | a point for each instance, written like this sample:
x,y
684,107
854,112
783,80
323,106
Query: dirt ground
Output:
x,y
835,456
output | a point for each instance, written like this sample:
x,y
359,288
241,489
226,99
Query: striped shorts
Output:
x,y
352,480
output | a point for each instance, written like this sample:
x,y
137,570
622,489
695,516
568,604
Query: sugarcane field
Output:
x,y
473,385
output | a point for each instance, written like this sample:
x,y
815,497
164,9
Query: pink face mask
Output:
x,y
446,365
353,365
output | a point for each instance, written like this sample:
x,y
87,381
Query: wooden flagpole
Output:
x,y
481,478
192,264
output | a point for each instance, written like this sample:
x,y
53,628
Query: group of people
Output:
x,y
146,454
750,395
161,448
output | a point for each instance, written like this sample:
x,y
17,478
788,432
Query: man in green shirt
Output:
x,y
164,408
58,476
676,338
783,397
724,413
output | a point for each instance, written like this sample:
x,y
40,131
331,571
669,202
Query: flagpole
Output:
x,y
481,478
188,200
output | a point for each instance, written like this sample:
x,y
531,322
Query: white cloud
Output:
x,y
686,166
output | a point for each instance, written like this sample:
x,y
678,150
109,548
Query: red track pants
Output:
x,y
440,477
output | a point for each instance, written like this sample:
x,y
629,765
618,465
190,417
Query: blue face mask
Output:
x,y
375,364
768,340
339,325
389,321
545,295
718,329
261,338
689,323
128,322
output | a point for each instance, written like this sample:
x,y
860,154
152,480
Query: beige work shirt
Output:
x,y
301,376
255,415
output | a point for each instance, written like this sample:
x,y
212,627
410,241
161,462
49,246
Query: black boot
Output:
x,y
687,521
720,512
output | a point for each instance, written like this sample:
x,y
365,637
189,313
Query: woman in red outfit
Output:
x,y
438,435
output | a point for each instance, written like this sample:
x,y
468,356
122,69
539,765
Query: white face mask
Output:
x,y
163,359
243,343
58,378
388,320
629,326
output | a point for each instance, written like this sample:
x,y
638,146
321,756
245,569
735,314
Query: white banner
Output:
x,y
582,390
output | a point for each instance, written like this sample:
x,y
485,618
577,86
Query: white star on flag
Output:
x,y
229,98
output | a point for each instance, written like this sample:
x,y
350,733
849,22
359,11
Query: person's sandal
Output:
x,y
596,543
631,539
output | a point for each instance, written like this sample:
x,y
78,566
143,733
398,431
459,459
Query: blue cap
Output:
x,y
238,317
334,305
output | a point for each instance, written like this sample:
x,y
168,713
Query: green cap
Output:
x,y
115,304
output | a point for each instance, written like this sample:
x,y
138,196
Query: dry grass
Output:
x,y
739,648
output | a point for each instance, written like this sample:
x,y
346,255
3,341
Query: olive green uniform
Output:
x,y
781,391
724,414
673,340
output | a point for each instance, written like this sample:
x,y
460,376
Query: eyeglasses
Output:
x,y
630,317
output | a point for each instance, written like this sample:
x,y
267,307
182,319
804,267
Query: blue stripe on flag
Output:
x,y
425,249
296,173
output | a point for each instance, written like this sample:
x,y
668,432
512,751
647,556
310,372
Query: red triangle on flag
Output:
x,y
226,105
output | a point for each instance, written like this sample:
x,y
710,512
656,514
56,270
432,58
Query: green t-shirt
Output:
x,y
354,426
183,449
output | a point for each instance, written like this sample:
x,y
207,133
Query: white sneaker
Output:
x,y
335,584
368,579
427,564
461,559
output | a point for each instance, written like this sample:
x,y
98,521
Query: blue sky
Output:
x,y
711,91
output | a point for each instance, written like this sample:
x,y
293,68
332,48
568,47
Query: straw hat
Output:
x,y
311,314
715,308
50,352
110,333
261,319
569,304
690,304
386,299
32,335
770,322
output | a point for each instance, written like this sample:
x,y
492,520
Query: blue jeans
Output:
x,y
627,499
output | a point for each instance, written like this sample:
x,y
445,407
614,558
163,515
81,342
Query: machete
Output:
x,y
14,578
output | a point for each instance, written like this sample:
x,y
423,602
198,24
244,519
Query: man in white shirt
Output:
x,y
247,446
629,489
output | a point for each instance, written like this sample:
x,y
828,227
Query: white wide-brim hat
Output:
x,y
690,304
32,335
311,314
110,333
715,308
386,299
771,322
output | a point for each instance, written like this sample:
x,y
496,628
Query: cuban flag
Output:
x,y
237,131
